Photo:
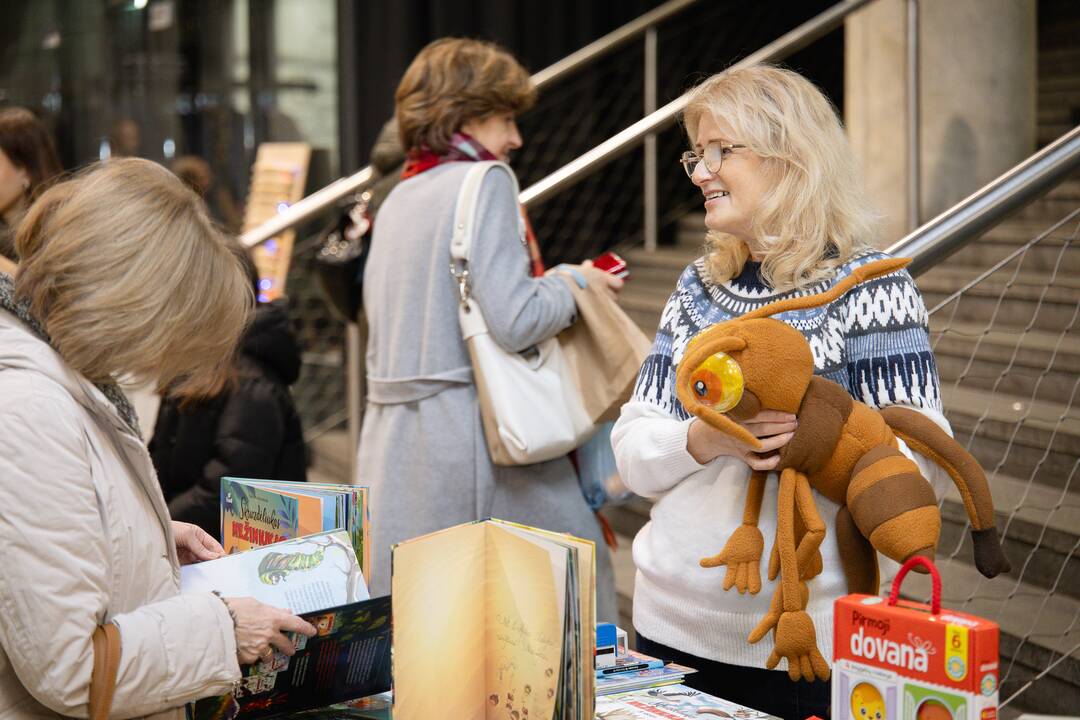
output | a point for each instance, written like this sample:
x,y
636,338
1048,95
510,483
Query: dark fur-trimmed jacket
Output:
x,y
252,430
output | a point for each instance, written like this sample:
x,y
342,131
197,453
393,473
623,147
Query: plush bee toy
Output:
x,y
844,449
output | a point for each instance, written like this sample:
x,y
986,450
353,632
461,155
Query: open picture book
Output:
x,y
319,578
494,620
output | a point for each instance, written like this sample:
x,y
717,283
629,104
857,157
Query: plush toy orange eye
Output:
x,y
718,382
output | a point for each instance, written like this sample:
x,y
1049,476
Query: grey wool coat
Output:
x,y
422,448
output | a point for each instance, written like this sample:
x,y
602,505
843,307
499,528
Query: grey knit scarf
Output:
x,y
21,310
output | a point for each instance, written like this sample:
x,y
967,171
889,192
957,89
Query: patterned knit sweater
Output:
x,y
872,340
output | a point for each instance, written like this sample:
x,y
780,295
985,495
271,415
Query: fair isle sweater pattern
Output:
x,y
873,340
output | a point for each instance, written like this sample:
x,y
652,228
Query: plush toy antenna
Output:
x,y
860,274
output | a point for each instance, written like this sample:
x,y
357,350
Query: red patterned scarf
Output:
x,y
464,148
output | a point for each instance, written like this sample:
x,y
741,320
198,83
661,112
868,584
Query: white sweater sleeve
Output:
x,y
650,449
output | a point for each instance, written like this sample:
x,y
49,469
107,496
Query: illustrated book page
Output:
x,y
303,574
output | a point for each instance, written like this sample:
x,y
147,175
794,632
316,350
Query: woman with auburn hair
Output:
x,y
122,273
786,216
422,447
27,164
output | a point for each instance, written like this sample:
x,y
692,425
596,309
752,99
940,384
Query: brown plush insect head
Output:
x,y
735,369
740,367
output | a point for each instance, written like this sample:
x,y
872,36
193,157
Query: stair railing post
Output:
x,y
914,201
650,209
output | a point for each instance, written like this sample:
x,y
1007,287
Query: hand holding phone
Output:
x,y
611,263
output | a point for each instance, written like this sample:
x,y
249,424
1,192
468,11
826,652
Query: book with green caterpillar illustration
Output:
x,y
318,577
303,574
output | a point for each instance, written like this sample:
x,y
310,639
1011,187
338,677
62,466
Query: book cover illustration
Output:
x,y
252,516
304,574
672,702
348,658
260,512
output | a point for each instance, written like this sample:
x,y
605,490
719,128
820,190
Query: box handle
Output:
x,y
935,579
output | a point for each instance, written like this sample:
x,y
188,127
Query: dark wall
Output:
x,y
389,33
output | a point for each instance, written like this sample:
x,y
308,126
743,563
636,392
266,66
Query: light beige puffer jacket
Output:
x,y
85,538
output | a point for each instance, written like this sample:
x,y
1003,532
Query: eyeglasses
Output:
x,y
713,155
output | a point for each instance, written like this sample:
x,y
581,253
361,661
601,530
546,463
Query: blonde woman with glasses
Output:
x,y
785,215
121,273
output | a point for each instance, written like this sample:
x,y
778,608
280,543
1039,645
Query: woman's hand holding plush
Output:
x,y
773,428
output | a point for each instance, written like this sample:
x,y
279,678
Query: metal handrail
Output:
x,y
935,240
318,201
613,40
663,118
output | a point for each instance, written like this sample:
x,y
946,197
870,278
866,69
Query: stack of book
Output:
x,y
304,547
260,512
634,670
672,702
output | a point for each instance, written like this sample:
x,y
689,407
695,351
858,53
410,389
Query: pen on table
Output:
x,y
625,668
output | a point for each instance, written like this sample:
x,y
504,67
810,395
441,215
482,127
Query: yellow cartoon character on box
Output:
x,y
867,703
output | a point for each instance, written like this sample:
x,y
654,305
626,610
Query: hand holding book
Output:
x,y
261,628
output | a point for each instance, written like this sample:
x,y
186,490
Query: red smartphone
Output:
x,y
611,263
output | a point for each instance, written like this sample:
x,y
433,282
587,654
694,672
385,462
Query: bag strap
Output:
x,y
465,220
106,642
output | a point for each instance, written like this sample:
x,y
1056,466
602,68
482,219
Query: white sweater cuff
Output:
x,y
671,446
650,449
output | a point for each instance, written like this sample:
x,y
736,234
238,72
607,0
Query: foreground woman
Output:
x,y
121,273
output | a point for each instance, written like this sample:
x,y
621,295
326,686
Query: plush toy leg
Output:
x,y
893,505
814,529
808,571
776,609
743,550
796,639
857,555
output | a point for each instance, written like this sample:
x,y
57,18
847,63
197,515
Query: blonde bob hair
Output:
x,y
815,215
453,81
128,276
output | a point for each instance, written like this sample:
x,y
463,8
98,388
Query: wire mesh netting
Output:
x,y
1004,313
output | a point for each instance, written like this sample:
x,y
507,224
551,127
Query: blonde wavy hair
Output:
x,y
452,81
815,216
128,276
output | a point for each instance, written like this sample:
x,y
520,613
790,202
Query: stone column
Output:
x,y
977,94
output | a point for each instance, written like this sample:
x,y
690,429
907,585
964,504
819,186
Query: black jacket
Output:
x,y
252,430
